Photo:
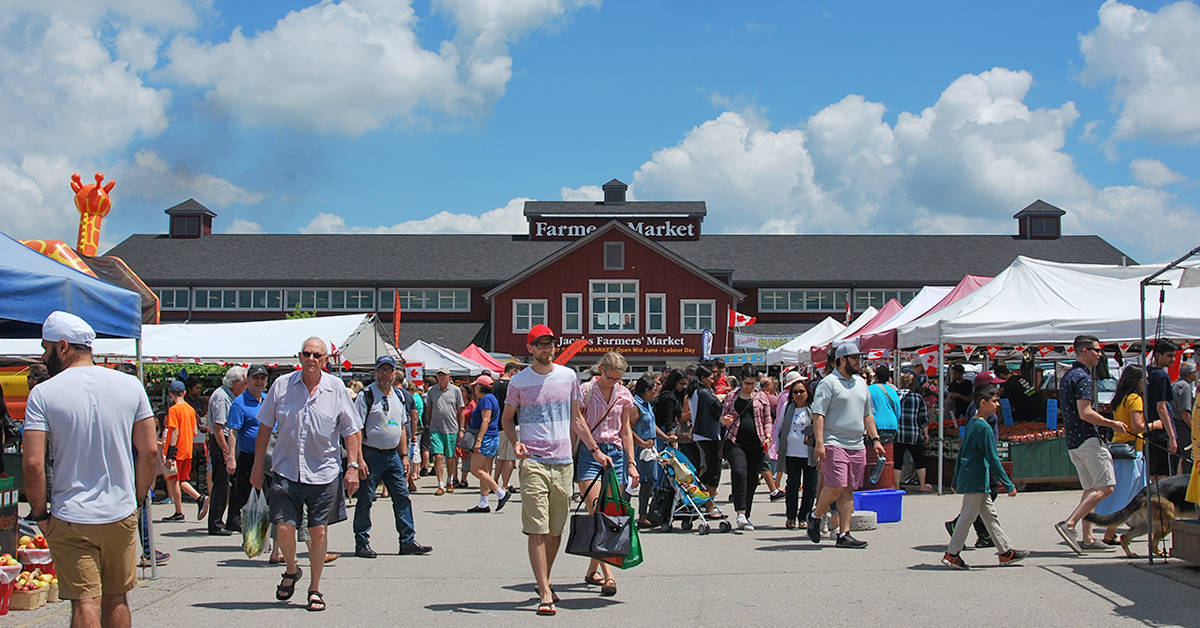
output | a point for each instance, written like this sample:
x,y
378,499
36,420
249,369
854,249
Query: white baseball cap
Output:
x,y
66,326
847,347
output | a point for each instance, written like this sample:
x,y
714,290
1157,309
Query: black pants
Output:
x,y
241,489
798,508
199,469
1183,437
220,491
710,462
745,461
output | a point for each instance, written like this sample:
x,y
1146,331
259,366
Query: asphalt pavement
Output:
x,y
479,575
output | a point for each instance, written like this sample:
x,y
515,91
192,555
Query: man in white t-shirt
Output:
x,y
97,418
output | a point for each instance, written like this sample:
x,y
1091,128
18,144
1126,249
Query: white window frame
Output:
x,y
203,307
545,312
567,329
637,290
658,295
390,293
174,308
804,292
683,303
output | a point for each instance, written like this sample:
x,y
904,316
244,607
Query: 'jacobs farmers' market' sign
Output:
x,y
649,345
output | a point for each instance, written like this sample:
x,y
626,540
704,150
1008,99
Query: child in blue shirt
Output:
x,y
977,462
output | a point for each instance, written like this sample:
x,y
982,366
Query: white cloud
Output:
x,y
241,225
1152,62
149,176
964,164
354,66
590,193
507,219
1153,173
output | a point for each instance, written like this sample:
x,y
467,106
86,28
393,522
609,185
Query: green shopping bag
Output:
x,y
614,504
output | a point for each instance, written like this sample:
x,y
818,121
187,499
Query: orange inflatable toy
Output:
x,y
93,203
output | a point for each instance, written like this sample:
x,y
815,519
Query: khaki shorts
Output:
x,y
506,452
94,559
545,497
1094,464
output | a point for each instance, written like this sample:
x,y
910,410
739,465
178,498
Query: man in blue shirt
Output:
x,y
243,430
1088,451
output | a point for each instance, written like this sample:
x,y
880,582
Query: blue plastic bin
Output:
x,y
885,502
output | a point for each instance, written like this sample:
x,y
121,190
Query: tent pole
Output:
x,y
941,415
137,343
1145,395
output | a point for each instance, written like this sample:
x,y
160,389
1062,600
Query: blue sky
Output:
x,y
380,116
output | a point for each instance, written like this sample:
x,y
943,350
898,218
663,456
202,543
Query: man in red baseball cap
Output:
x,y
545,398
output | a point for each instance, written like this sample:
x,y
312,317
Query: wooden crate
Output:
x,y
1185,540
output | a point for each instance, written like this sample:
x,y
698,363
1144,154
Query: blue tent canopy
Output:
x,y
33,285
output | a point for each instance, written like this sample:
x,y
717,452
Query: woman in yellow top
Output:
x,y
1128,466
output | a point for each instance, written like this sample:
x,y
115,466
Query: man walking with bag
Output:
x,y
545,398
311,410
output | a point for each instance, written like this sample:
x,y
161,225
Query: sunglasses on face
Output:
x,y
543,344
316,355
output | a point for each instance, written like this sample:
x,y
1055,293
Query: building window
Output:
x,y
1043,226
697,316
428,299
527,313
656,313
172,298
802,300
232,299
864,299
185,226
614,306
572,315
614,256
351,300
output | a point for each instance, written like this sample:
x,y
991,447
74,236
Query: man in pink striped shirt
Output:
x,y
545,397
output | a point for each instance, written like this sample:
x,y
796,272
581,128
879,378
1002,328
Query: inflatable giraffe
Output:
x,y
93,204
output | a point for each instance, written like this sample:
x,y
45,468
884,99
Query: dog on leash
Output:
x,y
1167,500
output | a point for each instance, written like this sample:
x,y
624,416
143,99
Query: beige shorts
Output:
x,y
94,559
505,451
545,497
1094,464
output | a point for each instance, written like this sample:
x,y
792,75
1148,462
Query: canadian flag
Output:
x,y
1125,347
737,319
992,350
928,357
1045,350
968,350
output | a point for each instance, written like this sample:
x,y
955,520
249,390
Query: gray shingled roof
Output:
x,y
1040,208
631,208
488,260
189,207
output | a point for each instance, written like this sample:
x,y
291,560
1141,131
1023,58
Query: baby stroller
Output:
x,y
679,475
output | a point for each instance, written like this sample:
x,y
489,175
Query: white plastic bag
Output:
x,y
256,521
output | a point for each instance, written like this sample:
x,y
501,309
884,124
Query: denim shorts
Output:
x,y
587,469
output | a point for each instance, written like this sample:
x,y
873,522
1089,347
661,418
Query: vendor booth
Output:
x,y
434,357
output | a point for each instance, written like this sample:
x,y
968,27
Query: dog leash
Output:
x,y
1181,452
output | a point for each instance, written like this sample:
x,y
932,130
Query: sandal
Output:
x,y
594,578
609,589
803,525
546,609
316,601
790,524
332,556
287,585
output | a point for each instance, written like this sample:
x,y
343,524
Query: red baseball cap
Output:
x,y
537,332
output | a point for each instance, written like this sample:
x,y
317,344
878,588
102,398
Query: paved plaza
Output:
x,y
478,575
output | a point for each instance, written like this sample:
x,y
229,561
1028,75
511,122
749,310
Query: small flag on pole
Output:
x,y
737,319
396,319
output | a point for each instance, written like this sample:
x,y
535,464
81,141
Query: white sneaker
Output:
x,y
743,523
749,527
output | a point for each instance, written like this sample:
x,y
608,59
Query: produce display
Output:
x,y
27,580
1027,432
34,580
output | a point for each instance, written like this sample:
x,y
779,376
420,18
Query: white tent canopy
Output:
x,y
1036,301
805,354
357,337
928,297
786,353
434,357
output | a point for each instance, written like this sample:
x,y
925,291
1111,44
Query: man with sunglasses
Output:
x,y
547,397
1089,453
385,450
311,410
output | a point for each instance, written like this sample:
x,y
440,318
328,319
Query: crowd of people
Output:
x,y
310,443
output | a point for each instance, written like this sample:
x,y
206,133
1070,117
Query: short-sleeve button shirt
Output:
x,y
309,426
1076,385
1158,385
